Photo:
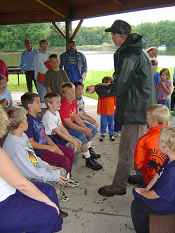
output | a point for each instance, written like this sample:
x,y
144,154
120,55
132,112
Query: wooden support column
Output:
x,y
77,29
68,25
58,30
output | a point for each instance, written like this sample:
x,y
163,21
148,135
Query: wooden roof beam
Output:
x,y
55,11
77,29
58,30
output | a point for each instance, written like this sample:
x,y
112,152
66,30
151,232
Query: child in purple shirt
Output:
x,y
164,88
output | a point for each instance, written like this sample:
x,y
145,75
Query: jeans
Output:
x,y
42,91
107,121
140,216
81,136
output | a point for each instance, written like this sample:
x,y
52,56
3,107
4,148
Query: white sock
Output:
x,y
87,155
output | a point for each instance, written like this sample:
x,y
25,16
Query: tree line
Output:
x,y
12,37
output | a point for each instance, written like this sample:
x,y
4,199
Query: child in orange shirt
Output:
x,y
149,160
106,109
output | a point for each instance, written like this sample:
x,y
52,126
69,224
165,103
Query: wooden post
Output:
x,y
76,29
68,31
58,30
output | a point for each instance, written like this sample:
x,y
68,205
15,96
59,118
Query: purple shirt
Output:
x,y
161,94
36,131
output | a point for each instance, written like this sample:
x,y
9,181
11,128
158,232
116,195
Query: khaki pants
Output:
x,y
129,137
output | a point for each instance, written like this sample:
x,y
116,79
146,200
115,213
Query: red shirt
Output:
x,y
3,69
148,158
68,109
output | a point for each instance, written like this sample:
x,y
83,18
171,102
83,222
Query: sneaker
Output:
x,y
101,138
136,180
93,154
92,164
109,191
72,183
111,138
63,214
63,196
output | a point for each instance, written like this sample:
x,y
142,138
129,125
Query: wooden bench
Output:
x,y
15,70
162,224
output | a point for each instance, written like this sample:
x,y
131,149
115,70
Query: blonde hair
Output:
x,y
167,137
158,113
16,117
4,122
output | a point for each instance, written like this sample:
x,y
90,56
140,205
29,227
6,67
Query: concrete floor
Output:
x,y
88,211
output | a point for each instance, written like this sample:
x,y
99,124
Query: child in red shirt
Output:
x,y
149,159
106,109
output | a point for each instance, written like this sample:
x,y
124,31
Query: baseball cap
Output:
x,y
120,27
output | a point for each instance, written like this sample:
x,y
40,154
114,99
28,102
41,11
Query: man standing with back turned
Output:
x,y
133,87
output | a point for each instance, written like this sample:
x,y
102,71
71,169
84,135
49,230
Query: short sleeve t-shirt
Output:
x,y
164,188
51,121
68,109
36,131
55,79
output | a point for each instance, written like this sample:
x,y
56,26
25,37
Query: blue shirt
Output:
x,y
36,131
74,63
165,189
27,60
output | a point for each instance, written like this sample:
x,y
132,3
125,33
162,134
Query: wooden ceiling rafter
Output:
x,y
55,11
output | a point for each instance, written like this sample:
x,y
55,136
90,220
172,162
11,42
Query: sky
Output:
x,y
134,18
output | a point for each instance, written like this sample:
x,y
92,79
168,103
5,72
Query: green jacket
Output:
x,y
133,82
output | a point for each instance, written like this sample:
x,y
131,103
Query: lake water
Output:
x,y
97,60
104,61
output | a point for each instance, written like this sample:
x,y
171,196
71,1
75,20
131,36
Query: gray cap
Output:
x,y
120,27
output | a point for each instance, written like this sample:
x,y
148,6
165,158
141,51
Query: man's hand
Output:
x,y
90,89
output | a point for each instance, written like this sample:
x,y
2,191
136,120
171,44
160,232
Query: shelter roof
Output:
x,y
33,11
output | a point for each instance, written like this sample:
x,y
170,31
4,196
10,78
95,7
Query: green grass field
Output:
x,y
93,77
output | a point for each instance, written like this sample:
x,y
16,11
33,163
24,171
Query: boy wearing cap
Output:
x,y
134,90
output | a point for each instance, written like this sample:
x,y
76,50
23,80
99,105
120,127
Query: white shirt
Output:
x,y
5,190
51,121
39,65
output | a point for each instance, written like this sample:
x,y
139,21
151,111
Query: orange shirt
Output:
x,y
148,158
106,105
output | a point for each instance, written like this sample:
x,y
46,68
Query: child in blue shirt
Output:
x,y
159,196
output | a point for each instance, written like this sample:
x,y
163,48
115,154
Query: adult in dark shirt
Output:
x,y
133,87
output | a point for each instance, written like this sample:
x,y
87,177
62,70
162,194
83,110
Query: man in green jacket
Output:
x,y
133,87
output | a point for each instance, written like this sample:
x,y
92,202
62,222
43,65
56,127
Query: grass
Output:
x,y
93,77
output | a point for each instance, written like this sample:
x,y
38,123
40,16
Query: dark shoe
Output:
x,y
92,164
101,138
63,214
93,154
136,180
111,138
108,191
